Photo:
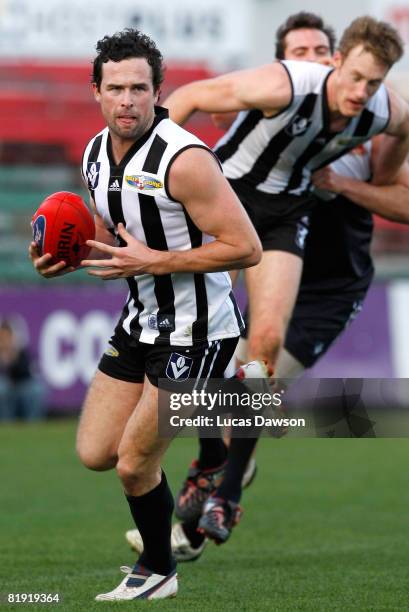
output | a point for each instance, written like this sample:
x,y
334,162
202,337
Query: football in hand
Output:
x,y
61,226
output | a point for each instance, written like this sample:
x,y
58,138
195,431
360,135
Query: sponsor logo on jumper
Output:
x,y
114,186
166,322
39,232
93,174
143,182
178,367
298,126
65,241
161,321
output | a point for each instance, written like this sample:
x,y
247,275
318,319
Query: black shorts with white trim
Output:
x,y
281,220
130,360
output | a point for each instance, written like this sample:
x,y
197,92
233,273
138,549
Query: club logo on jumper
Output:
x,y
143,182
39,232
93,174
178,367
112,352
114,186
298,126
161,321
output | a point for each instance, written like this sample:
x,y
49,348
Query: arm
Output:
x,y
195,180
396,149
101,233
223,121
388,201
267,88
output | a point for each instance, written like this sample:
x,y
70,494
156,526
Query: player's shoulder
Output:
x,y
379,103
176,136
95,141
306,76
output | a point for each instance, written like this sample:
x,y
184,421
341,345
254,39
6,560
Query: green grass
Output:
x,y
325,527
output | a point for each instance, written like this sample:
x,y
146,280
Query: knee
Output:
x,y
133,471
95,459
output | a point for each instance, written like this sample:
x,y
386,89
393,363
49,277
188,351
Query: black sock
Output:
x,y
152,514
240,450
194,537
212,453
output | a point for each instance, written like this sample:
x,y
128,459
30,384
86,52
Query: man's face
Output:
x,y
127,97
307,44
358,76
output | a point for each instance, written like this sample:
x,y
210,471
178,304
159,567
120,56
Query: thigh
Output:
x,y
107,408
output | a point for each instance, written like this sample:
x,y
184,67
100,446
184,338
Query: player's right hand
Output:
x,y
42,263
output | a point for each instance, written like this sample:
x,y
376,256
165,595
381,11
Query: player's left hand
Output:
x,y
328,180
130,260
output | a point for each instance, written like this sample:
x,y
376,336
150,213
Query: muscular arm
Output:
x,y
267,88
388,201
196,181
395,149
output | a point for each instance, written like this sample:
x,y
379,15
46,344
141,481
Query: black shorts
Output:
x,y
281,220
129,360
316,322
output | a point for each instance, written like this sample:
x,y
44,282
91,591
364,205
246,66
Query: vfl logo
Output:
x,y
39,232
302,232
93,174
298,126
178,367
143,182
318,348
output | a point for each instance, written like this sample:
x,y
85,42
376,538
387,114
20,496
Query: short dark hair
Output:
x,y
377,37
124,45
299,21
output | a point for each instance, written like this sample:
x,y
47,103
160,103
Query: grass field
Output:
x,y
326,527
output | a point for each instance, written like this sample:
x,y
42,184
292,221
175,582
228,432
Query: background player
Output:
x,y
307,116
337,268
178,322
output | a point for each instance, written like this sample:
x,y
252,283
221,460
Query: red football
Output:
x,y
61,226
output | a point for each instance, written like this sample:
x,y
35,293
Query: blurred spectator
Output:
x,y
22,394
